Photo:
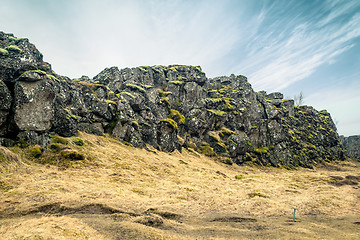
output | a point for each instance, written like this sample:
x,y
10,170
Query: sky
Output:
x,y
291,46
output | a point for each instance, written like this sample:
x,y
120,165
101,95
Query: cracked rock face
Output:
x,y
168,107
352,146
34,110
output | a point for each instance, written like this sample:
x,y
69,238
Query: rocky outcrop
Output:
x,y
167,107
352,146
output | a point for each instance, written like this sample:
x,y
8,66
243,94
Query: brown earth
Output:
x,y
121,192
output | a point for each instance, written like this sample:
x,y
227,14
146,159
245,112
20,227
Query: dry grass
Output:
x,y
120,192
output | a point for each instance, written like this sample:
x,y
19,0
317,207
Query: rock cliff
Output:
x,y
352,146
167,107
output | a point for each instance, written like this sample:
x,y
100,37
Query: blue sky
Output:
x,y
280,45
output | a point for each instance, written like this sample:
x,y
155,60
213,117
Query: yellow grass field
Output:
x,y
120,192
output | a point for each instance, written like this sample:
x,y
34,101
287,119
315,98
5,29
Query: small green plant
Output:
x,y
72,155
13,48
126,94
135,87
261,150
177,82
217,112
171,122
36,151
54,147
21,143
58,139
177,116
239,176
207,151
78,141
3,52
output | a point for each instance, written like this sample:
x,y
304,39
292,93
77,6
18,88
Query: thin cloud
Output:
x,y
292,55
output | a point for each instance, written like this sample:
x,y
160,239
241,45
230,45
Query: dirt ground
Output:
x,y
120,192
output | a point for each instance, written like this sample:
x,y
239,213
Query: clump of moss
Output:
x,y
163,93
207,151
135,87
261,150
72,155
226,132
78,141
54,147
177,82
217,112
3,52
171,122
58,139
125,93
21,143
13,48
36,151
239,176
177,116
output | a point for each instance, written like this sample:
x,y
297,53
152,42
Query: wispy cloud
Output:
x,y
295,47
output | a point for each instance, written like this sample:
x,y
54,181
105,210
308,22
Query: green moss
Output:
x,y
171,122
181,78
177,82
135,123
73,155
214,136
69,115
21,143
173,69
212,100
217,112
239,176
125,93
3,52
51,77
177,116
261,150
226,132
78,141
110,102
232,142
227,103
54,147
165,100
40,72
207,151
163,93
143,68
135,87
36,151
13,48
225,89
58,139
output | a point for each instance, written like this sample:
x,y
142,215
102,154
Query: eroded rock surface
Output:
x,y
167,107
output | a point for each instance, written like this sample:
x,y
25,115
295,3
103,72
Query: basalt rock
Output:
x,y
352,146
167,107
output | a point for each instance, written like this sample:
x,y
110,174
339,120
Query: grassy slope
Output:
x,y
108,196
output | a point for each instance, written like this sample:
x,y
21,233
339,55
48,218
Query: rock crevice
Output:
x,y
167,107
